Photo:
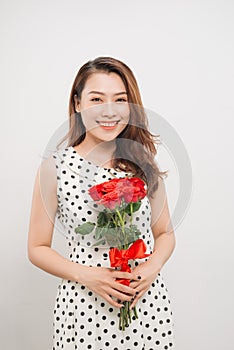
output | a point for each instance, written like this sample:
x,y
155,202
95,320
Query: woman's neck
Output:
x,y
98,153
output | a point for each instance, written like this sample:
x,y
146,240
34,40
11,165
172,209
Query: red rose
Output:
x,y
96,192
139,190
111,193
111,199
133,190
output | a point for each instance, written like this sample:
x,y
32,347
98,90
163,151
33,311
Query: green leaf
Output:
x,y
136,206
102,218
132,233
113,231
100,232
111,239
134,230
85,228
102,241
127,230
111,224
127,209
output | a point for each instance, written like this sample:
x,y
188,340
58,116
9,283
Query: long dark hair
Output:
x,y
138,156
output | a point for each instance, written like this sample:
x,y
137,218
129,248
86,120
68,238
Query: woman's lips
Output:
x,y
108,125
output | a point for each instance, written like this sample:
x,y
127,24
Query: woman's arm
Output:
x,y
162,229
43,211
164,242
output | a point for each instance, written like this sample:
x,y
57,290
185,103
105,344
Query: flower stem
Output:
x,y
129,312
120,219
131,211
135,312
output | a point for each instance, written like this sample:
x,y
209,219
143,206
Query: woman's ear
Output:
x,y
76,103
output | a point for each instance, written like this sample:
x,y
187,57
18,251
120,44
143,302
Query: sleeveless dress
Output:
x,y
83,320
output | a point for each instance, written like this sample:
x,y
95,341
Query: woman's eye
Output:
x,y
96,99
121,100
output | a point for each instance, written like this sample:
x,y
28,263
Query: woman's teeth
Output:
x,y
109,124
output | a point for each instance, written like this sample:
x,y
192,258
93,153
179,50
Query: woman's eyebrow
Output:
x,y
102,93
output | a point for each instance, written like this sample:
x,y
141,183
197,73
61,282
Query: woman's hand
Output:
x,y
148,272
102,281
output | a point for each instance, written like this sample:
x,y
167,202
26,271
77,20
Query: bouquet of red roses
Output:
x,y
121,198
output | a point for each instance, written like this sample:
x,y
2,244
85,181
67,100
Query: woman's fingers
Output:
x,y
137,297
119,291
113,302
125,275
139,292
134,284
122,288
140,289
103,281
121,296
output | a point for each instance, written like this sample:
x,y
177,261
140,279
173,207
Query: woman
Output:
x,y
108,138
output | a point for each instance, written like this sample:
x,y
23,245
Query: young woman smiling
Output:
x,y
108,137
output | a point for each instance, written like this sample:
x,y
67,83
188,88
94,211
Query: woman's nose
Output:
x,y
108,110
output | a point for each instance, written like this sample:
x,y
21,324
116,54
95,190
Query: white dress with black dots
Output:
x,y
83,320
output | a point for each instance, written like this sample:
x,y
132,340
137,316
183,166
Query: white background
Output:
x,y
182,55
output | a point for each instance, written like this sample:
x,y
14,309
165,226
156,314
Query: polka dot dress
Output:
x,y
82,319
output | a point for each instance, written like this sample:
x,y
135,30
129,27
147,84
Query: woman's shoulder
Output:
x,y
59,155
47,168
62,151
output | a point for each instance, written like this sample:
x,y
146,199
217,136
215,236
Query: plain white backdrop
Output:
x,y
182,54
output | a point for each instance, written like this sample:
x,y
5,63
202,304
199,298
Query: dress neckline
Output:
x,y
89,162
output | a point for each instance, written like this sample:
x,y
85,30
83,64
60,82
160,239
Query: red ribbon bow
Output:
x,y
120,257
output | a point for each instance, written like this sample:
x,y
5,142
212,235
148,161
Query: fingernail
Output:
x,y
139,277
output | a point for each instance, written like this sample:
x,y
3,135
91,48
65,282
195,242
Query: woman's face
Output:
x,y
104,106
